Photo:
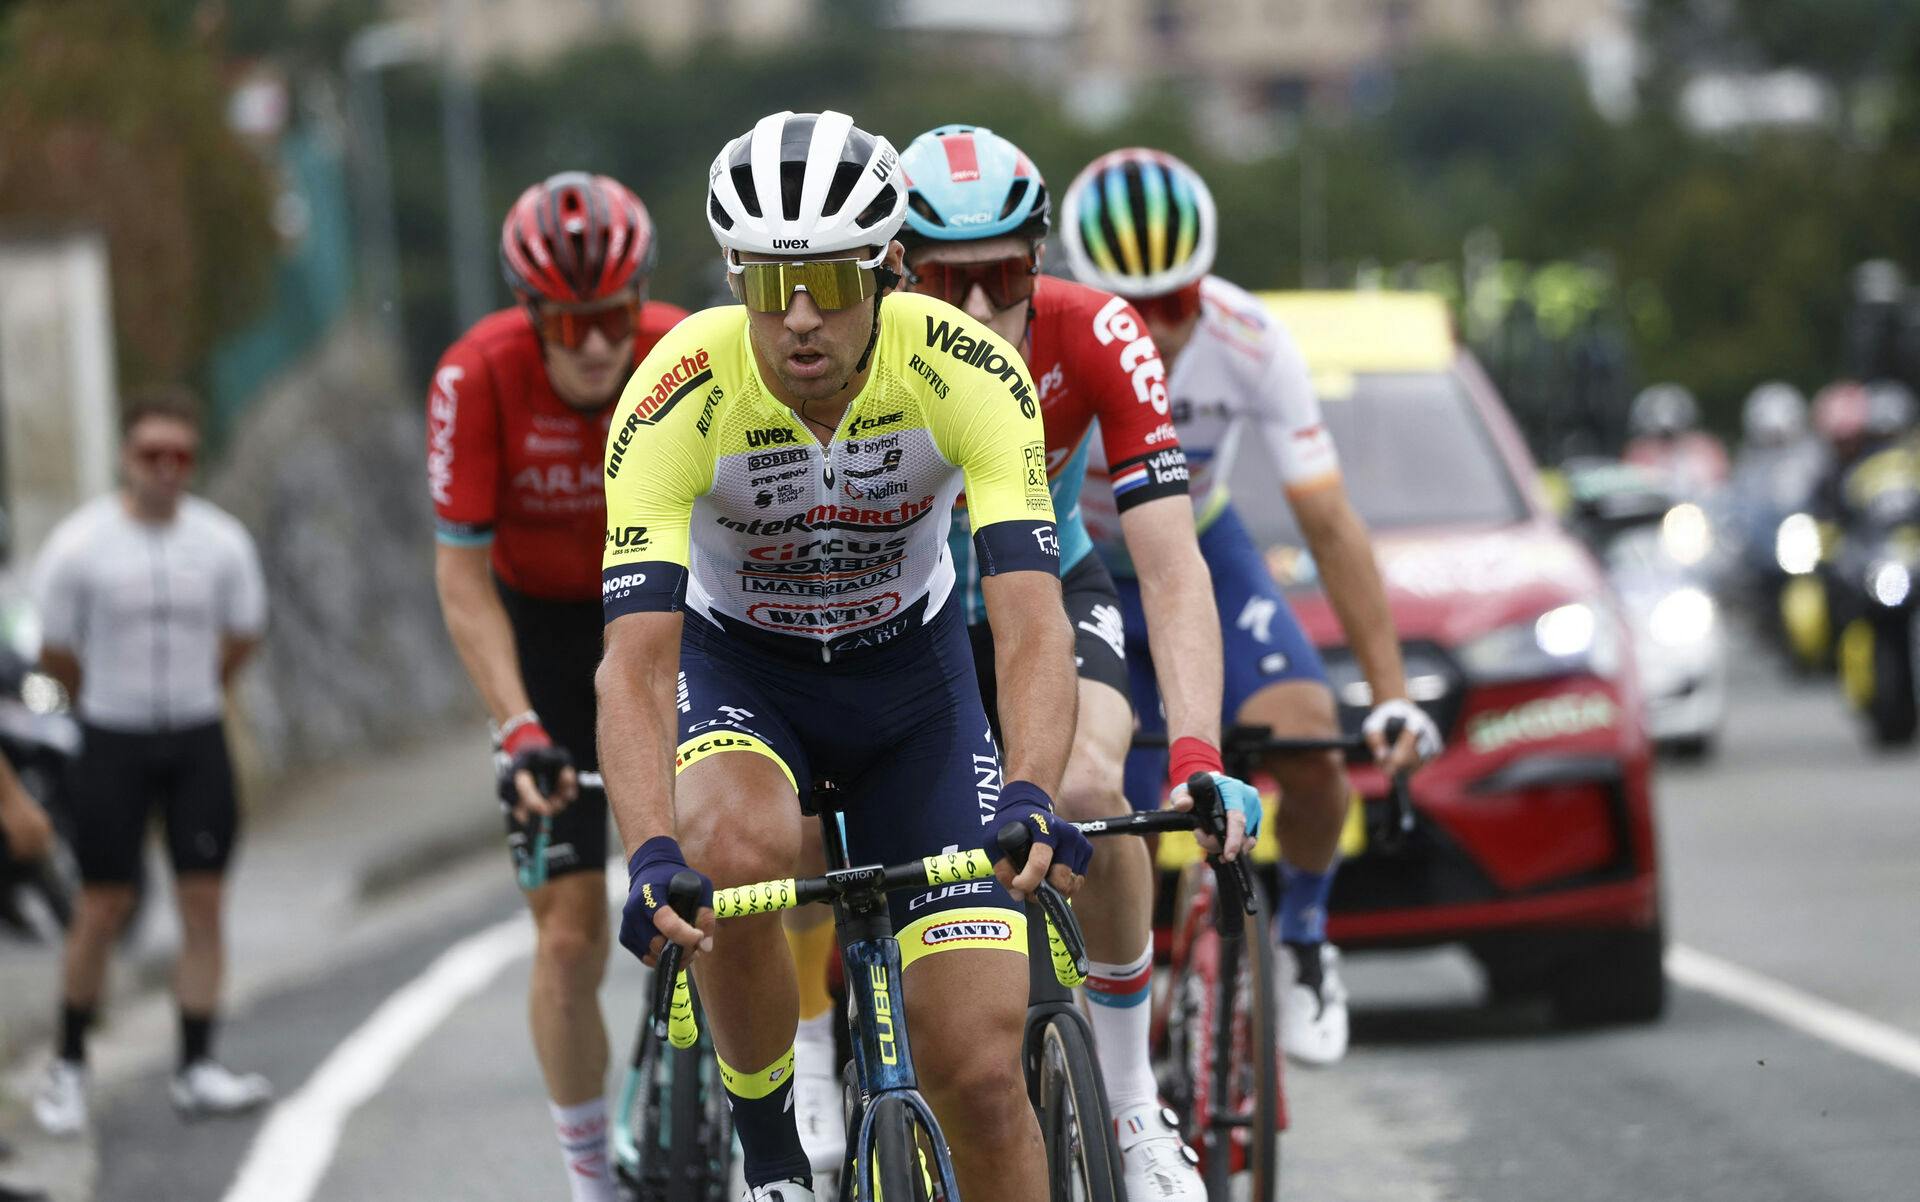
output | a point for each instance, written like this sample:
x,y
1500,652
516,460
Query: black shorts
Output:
x,y
1099,637
559,647
123,776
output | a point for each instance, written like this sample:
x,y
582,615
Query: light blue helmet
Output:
x,y
965,182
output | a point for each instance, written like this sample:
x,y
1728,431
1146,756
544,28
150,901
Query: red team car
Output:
x,y
1536,844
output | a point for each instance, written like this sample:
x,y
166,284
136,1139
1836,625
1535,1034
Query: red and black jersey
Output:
x,y
509,462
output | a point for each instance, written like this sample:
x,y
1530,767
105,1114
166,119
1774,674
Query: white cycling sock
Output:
x,y
582,1130
813,1045
1120,1015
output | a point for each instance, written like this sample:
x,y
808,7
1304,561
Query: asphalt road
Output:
x,y
1795,854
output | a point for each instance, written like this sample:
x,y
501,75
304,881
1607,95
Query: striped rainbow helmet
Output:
x,y
1139,223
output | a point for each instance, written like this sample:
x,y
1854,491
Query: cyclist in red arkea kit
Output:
x,y
516,431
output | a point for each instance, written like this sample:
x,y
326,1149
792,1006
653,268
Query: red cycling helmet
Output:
x,y
574,238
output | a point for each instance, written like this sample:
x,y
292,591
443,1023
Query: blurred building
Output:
x,y
1276,43
527,31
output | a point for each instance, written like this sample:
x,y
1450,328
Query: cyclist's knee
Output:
x,y
1092,787
740,836
966,1040
570,951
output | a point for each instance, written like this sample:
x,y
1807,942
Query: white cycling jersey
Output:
x,y
1241,375
144,607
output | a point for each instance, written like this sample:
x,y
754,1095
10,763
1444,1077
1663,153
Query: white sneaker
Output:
x,y
818,1107
1156,1164
207,1087
60,1104
779,1191
1313,1004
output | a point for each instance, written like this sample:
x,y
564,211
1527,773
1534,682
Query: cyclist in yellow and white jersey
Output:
x,y
780,608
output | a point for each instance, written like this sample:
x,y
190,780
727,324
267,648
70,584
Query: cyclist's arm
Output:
x,y
463,476
244,619
60,596
477,622
638,727
235,650
993,431
656,467
1343,553
1145,459
1033,660
1183,625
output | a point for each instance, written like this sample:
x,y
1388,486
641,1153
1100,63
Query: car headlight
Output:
x,y
1890,583
1796,544
1685,534
1682,618
1564,640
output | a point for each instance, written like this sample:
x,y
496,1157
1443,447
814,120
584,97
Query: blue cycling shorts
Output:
x,y
900,730
1262,640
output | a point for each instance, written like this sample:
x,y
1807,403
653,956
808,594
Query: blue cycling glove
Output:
x,y
1025,802
649,872
1235,794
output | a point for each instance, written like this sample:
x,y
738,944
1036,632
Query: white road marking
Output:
x,y
1837,1025
295,1145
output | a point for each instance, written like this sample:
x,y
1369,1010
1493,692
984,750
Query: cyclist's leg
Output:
x,y
1274,678
558,646
935,786
737,817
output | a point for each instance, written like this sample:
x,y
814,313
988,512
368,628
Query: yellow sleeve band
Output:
x,y
750,1086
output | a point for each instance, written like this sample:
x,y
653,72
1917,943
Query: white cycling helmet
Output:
x,y
805,184
1775,414
1663,411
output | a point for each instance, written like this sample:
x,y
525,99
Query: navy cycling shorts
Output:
x,y
1263,642
900,730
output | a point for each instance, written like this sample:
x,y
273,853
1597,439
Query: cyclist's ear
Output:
x,y
893,269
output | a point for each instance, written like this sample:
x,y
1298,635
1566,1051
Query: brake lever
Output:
x,y
673,1018
1390,835
1065,941
1208,807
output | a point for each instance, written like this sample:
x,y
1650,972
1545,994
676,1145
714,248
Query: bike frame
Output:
x,y
882,1055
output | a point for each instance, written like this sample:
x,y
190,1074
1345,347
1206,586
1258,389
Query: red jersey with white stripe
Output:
x,y
509,462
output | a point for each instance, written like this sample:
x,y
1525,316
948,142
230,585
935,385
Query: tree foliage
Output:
x,y
112,116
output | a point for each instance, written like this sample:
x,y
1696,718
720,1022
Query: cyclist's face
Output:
x,y
590,374
1171,337
1011,322
809,353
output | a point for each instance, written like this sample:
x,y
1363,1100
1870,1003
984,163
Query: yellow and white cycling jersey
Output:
x,y
720,501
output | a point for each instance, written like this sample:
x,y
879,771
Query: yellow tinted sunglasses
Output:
x,y
832,283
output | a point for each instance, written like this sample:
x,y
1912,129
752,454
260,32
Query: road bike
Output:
x,y
895,1150
1215,1036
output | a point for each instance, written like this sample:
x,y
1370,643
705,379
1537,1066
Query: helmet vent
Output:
x,y
743,186
920,205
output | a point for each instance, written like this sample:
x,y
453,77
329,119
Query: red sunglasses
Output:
x,y
570,328
177,458
1006,282
1171,308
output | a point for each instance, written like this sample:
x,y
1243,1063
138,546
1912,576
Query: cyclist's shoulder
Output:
x,y
502,334
949,361
1231,315
90,521
704,353
656,318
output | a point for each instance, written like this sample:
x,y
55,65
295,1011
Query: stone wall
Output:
x,y
327,471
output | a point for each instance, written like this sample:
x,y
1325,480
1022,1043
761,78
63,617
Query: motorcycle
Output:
x,y
1875,573
40,740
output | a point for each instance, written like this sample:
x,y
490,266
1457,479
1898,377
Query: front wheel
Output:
x,y
903,1160
1224,989
1076,1123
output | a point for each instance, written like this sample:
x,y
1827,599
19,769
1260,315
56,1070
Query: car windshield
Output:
x,y
1413,450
